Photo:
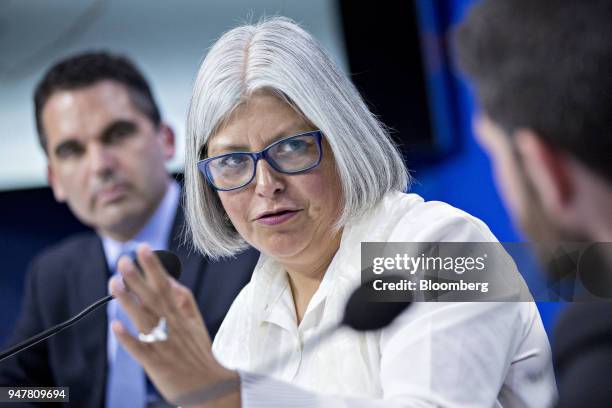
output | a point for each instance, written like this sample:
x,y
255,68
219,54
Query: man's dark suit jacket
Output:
x,y
70,276
583,355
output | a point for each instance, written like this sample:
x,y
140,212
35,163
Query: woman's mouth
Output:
x,y
277,217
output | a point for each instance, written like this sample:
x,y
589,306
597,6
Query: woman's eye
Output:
x,y
234,161
293,145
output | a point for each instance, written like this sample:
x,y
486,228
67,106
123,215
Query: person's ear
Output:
x,y
56,186
549,170
168,140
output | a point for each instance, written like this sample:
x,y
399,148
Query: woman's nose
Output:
x,y
268,181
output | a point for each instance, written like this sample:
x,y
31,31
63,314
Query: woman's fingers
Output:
x,y
151,287
150,295
143,319
154,271
183,360
136,283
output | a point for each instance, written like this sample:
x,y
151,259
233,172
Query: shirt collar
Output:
x,y
274,302
156,231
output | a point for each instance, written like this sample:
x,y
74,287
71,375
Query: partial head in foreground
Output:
x,y
541,72
261,84
105,142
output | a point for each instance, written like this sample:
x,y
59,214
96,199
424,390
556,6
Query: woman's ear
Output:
x,y
549,170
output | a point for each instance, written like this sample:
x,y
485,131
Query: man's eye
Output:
x,y
118,134
69,150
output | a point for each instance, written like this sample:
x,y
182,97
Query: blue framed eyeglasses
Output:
x,y
291,155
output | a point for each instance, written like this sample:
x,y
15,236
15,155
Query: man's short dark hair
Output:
x,y
547,66
83,70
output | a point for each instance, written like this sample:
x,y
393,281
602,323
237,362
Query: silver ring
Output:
x,y
159,333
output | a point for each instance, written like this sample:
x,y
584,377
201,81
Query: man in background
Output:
x,y
543,76
106,146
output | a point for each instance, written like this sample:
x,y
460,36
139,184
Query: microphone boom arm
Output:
x,y
27,343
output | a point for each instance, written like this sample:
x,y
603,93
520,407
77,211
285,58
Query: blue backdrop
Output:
x,y
465,179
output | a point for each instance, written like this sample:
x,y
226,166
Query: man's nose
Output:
x,y
268,181
101,159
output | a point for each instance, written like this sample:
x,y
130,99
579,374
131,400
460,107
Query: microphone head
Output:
x,y
364,314
170,261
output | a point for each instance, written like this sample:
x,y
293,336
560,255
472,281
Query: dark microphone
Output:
x,y
361,314
169,260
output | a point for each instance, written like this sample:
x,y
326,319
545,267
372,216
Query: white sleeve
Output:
x,y
450,355
258,391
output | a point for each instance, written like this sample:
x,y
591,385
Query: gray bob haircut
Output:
x,y
277,56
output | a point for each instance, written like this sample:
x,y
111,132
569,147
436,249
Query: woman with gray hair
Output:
x,y
283,154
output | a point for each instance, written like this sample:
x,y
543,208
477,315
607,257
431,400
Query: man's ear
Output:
x,y
168,140
56,186
549,170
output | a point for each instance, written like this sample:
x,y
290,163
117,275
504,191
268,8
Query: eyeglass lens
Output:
x,y
291,155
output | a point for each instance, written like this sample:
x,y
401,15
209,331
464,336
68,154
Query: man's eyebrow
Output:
x,y
121,124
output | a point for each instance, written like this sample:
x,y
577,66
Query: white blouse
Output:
x,y
462,354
